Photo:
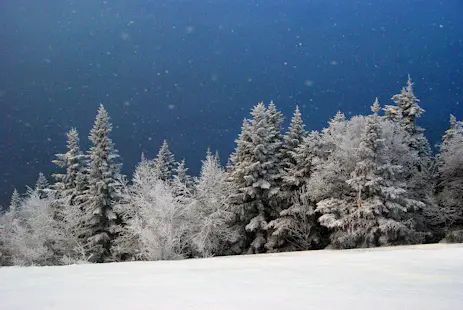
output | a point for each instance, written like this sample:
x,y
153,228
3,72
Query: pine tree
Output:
x,y
181,177
306,155
419,175
273,167
71,184
375,211
450,180
406,111
455,129
255,175
338,118
103,192
42,185
335,125
165,163
296,227
15,201
291,141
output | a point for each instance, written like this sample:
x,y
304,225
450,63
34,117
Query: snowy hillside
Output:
x,y
417,277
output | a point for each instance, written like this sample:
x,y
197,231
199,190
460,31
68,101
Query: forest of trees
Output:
x,y
367,181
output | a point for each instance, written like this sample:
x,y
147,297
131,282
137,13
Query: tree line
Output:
x,y
367,181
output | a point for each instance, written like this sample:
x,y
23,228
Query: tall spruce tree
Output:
x,y
291,141
406,111
419,174
450,181
15,201
181,176
296,227
275,154
103,191
255,174
375,211
71,184
165,163
42,185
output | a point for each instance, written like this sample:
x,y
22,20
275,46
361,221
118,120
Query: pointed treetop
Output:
x,y
258,111
453,120
407,109
73,139
275,116
292,139
42,182
165,162
297,116
181,175
72,155
15,201
181,169
375,108
338,118
208,152
101,127
409,84
455,128
297,125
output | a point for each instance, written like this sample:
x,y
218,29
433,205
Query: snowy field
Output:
x,y
418,277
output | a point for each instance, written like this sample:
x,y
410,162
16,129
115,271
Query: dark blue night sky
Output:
x,y
189,71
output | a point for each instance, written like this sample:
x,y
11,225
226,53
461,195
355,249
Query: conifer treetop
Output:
x,y
42,182
375,108
15,201
406,109
165,162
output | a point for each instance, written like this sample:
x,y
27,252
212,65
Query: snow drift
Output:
x,y
414,277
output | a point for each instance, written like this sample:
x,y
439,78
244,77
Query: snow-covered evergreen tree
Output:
x,y
406,111
450,179
255,174
71,184
103,191
337,119
181,172
273,167
212,212
15,201
306,155
290,229
296,228
4,255
419,175
182,182
455,129
374,212
298,217
8,220
165,162
42,185
291,141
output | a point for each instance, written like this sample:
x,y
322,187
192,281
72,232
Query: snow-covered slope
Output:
x,y
418,277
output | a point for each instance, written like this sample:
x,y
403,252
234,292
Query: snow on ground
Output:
x,y
417,277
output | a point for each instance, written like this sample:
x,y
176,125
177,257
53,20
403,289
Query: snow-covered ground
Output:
x,y
417,277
